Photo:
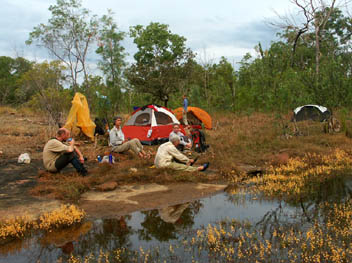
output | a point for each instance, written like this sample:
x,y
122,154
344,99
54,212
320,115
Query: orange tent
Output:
x,y
195,116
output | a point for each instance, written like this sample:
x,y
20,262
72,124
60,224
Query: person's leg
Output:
x,y
78,166
63,161
137,147
184,118
144,154
121,148
72,158
182,167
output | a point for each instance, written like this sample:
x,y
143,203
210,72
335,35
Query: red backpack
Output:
x,y
198,139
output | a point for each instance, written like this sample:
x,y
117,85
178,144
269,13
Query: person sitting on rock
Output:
x,y
57,155
168,156
119,144
185,142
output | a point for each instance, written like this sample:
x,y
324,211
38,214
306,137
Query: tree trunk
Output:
x,y
317,49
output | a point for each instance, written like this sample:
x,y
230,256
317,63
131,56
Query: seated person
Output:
x,y
57,155
168,156
119,144
185,142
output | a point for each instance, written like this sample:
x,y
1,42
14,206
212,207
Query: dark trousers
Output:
x,y
72,158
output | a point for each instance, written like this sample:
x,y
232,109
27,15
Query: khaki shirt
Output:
x,y
166,153
53,149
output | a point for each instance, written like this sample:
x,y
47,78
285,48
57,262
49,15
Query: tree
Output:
x,y
225,71
329,85
163,63
316,15
67,36
112,58
11,71
207,75
45,81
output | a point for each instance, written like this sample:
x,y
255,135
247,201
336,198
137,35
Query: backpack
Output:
x,y
199,143
100,126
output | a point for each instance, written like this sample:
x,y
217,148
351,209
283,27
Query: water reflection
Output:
x,y
172,214
160,227
163,224
107,234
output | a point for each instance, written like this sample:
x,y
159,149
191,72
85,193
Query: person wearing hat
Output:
x,y
119,144
168,156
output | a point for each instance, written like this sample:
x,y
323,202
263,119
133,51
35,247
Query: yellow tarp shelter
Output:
x,y
195,116
79,116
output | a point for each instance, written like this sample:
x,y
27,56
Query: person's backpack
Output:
x,y
199,143
100,126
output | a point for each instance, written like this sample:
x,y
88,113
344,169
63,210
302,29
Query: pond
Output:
x,y
169,227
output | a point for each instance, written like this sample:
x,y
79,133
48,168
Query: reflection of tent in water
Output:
x,y
79,116
311,112
195,116
172,213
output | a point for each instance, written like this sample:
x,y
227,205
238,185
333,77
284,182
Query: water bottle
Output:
x,y
99,158
110,158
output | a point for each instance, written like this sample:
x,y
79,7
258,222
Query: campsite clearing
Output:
x,y
238,144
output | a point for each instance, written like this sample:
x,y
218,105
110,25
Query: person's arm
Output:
x,y
71,146
178,155
187,144
80,155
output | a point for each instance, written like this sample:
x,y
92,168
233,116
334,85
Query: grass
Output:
x,y
18,227
235,141
302,178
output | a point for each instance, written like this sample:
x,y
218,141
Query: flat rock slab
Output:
x,y
33,209
129,198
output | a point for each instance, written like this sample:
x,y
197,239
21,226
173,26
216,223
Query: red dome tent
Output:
x,y
150,124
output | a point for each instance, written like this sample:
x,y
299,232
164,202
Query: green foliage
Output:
x,y
111,51
43,84
67,36
163,63
112,60
291,72
53,102
11,70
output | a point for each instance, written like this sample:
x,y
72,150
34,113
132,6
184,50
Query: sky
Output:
x,y
212,28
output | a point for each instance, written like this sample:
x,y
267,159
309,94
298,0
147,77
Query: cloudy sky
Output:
x,y
212,28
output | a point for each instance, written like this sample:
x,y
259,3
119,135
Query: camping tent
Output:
x,y
195,116
79,116
151,124
311,112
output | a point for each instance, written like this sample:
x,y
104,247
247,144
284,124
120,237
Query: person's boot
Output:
x,y
79,166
